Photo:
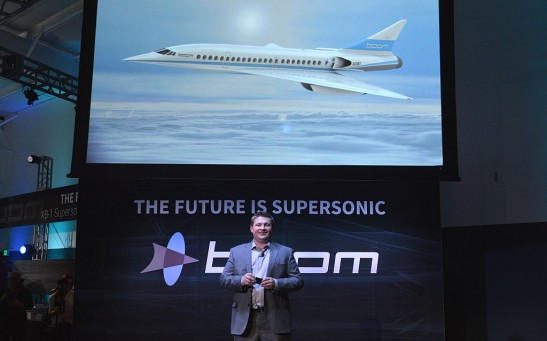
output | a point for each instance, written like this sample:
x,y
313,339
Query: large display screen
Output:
x,y
150,254
206,86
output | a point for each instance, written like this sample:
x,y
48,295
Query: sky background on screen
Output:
x,y
144,113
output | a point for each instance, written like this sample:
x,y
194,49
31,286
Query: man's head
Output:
x,y
66,282
261,227
262,214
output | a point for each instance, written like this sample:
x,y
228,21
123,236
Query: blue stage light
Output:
x,y
26,249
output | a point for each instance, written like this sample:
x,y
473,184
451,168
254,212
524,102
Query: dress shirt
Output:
x,y
260,261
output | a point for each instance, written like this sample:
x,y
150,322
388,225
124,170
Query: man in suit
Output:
x,y
261,274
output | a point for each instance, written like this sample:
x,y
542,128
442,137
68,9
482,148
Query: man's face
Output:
x,y
262,230
68,285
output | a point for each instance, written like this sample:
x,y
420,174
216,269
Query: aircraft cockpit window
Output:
x,y
163,51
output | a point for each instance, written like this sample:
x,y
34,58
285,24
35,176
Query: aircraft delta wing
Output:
x,y
327,82
316,69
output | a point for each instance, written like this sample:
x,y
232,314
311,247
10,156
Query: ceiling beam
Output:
x,y
10,8
42,53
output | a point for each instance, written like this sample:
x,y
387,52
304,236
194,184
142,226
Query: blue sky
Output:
x,y
130,27
146,26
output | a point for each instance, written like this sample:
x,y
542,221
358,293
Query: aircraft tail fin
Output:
x,y
381,42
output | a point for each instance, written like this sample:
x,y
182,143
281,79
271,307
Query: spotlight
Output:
x,y
30,95
34,159
27,249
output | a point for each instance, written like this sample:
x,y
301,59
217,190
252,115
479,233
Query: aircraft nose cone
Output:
x,y
142,57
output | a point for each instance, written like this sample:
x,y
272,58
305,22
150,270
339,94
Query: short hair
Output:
x,y
65,279
263,214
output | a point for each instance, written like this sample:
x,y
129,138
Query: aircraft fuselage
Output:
x,y
316,69
235,58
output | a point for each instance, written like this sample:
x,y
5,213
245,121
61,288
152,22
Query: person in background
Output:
x,y
61,309
15,301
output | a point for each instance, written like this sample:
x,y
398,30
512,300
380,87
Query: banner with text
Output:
x,y
369,253
42,207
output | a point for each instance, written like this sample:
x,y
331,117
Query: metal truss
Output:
x,y
10,8
40,241
38,76
45,173
40,238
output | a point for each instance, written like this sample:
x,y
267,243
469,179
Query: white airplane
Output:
x,y
316,69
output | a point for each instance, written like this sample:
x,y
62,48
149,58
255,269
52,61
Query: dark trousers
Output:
x,y
258,329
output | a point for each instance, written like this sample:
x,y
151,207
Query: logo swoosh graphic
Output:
x,y
170,259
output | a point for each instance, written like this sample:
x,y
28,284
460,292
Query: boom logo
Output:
x,y
170,259
212,254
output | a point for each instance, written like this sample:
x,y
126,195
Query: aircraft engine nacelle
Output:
x,y
341,63
388,63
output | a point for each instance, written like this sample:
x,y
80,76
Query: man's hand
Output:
x,y
268,283
248,279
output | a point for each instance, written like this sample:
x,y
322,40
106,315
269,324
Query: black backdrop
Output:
x,y
402,300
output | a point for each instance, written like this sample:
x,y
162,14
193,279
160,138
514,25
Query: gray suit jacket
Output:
x,y
282,267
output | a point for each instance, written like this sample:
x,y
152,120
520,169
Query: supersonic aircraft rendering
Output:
x,y
316,69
